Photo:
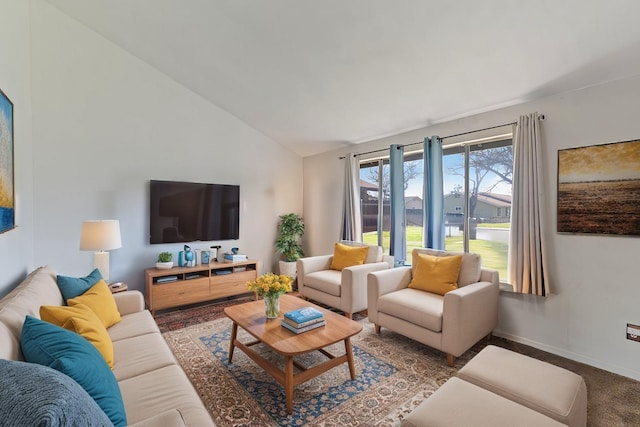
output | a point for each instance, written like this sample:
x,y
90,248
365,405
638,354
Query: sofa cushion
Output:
x,y
99,299
470,269
414,306
152,393
141,354
72,287
69,353
436,274
36,395
347,256
327,281
81,320
39,288
133,325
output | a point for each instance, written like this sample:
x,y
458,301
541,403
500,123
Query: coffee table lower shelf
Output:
x,y
251,317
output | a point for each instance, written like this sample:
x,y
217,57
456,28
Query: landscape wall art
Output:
x,y
7,203
599,189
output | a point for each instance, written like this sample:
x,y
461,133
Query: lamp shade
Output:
x,y
100,235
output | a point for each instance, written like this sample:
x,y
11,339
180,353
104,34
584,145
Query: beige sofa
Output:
x,y
451,323
154,388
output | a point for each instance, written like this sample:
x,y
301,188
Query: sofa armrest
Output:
x,y
311,264
383,282
129,302
489,275
469,314
389,259
354,285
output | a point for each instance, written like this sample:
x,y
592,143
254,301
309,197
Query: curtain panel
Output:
x,y
398,237
527,265
351,215
433,195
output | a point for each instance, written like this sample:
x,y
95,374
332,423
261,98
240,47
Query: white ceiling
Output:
x,y
319,75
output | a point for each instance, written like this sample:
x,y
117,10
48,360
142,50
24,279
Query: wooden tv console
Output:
x,y
188,285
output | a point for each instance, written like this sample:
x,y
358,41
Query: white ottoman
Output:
x,y
461,404
545,388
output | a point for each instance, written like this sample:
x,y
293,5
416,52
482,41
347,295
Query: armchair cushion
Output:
x,y
327,281
469,270
347,256
374,254
414,306
438,275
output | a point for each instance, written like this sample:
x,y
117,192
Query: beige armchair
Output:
x,y
345,290
452,323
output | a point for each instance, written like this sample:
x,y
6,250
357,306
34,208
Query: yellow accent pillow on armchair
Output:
x,y
347,256
436,274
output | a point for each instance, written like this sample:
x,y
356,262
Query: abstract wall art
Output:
x,y
7,200
599,189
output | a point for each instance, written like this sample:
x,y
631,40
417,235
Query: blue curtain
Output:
x,y
398,244
433,195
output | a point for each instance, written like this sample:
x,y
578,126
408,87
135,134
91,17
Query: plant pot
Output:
x,y
164,265
289,268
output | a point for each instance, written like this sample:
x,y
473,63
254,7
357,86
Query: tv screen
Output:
x,y
189,212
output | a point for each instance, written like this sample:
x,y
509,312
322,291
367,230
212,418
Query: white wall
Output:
x,y
16,246
594,279
105,123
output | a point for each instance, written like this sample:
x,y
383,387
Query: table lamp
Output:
x,y
101,236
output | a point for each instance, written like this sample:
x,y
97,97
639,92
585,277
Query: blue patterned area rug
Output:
x,y
393,375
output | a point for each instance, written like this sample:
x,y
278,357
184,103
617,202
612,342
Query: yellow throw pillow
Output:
x,y
346,256
83,321
99,299
436,274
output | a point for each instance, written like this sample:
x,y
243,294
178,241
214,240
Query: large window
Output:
x,y
477,200
375,202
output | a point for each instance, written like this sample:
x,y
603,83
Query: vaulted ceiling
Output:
x,y
318,75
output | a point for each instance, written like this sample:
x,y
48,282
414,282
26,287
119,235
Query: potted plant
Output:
x,y
290,229
164,261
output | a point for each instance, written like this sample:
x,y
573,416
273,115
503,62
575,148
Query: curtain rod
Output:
x,y
541,117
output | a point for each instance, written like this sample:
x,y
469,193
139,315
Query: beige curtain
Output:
x,y
527,265
351,217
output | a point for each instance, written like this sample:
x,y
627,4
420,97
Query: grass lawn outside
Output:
x,y
494,254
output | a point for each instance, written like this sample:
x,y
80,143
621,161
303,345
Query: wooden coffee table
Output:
x,y
251,317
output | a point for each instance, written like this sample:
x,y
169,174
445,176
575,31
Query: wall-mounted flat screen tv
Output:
x,y
190,212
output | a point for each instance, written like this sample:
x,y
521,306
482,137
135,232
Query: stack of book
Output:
x,y
235,257
303,319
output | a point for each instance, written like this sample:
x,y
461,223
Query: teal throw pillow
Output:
x,y
65,351
72,287
36,395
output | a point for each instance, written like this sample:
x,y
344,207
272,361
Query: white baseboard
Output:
x,y
635,375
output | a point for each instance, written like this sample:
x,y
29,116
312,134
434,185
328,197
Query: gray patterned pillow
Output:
x,y
35,395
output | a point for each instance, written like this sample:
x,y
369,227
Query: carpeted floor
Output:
x,y
394,375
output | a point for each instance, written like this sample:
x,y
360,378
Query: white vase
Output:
x,y
289,269
164,265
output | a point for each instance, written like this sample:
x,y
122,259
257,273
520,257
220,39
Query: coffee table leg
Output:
x,y
288,383
349,351
232,342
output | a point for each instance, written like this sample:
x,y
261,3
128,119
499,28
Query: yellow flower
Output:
x,y
271,284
